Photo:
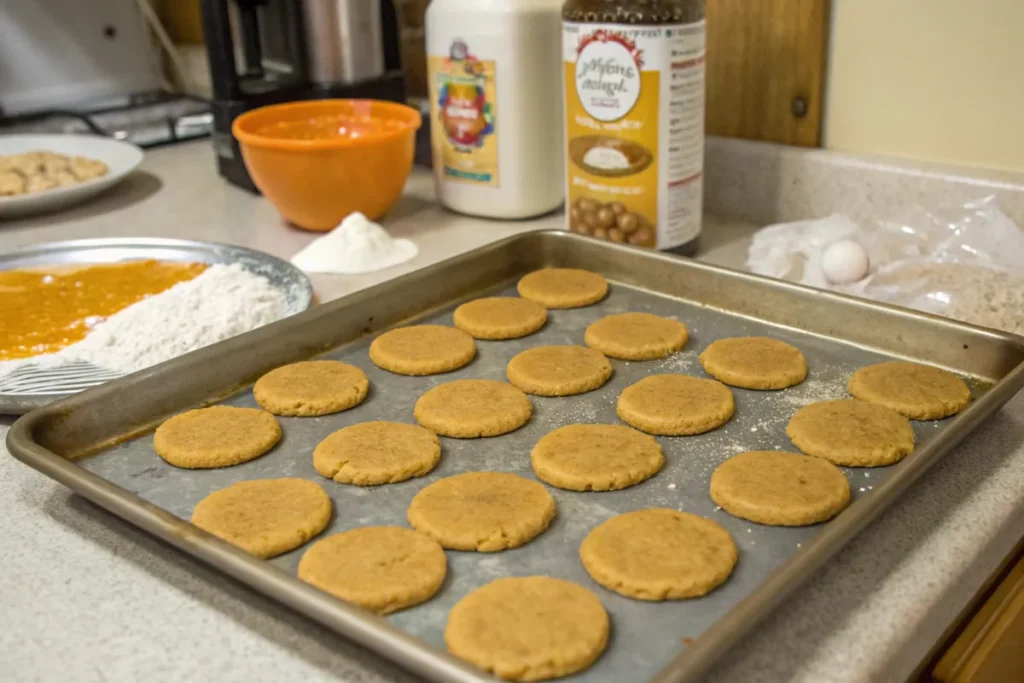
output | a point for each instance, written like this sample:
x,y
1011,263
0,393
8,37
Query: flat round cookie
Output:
x,y
500,317
917,391
754,363
659,554
484,511
675,405
315,387
265,517
422,350
379,568
375,453
636,336
780,489
529,628
596,457
558,370
471,408
563,287
851,433
218,436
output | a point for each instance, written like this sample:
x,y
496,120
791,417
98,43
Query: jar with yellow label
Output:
x,y
634,109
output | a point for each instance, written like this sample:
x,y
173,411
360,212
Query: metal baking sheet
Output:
x,y
15,400
664,642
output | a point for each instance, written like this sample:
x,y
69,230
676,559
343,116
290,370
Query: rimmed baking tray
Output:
x,y
671,642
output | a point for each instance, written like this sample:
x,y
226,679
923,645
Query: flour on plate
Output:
x,y
357,245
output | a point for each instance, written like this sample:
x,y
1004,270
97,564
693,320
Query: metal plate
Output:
x,y
664,642
29,388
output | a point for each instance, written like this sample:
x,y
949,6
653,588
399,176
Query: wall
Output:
x,y
930,79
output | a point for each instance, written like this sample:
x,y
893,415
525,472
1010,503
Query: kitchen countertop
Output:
x,y
85,594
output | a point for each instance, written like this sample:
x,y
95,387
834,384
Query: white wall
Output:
x,y
941,80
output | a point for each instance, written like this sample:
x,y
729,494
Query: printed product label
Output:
x,y
634,100
463,107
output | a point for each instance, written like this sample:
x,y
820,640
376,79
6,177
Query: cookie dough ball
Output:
x,y
375,453
379,568
675,405
780,489
482,511
500,317
471,408
422,350
316,387
659,554
852,433
919,392
563,287
636,336
596,457
559,370
529,628
218,436
755,363
265,517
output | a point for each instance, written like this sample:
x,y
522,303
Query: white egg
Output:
x,y
844,262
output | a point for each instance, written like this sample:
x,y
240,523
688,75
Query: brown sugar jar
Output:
x,y
634,110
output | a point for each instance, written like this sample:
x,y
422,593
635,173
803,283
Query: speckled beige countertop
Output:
x,y
87,597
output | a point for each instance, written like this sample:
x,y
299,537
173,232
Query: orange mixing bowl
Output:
x,y
318,161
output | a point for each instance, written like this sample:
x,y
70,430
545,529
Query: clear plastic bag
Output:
x,y
965,263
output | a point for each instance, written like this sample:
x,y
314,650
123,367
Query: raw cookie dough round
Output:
x,y
218,436
917,391
470,408
265,517
484,511
422,350
315,387
781,489
584,457
636,336
529,628
755,363
558,370
379,568
563,287
374,453
659,554
500,317
851,433
675,405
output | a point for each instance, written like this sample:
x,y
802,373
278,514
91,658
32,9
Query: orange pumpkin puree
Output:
x,y
43,310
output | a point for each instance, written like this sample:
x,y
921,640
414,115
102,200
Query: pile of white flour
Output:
x,y
221,302
357,245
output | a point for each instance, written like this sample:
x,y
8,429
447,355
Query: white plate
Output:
x,y
121,157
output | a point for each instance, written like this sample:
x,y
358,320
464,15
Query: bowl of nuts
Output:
x,y
609,157
611,221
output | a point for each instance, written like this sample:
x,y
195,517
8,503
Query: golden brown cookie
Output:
x,y
422,350
379,568
563,287
851,433
659,554
374,453
485,511
218,436
636,336
781,489
315,387
528,628
500,317
558,370
674,405
265,517
917,391
471,408
583,457
755,363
